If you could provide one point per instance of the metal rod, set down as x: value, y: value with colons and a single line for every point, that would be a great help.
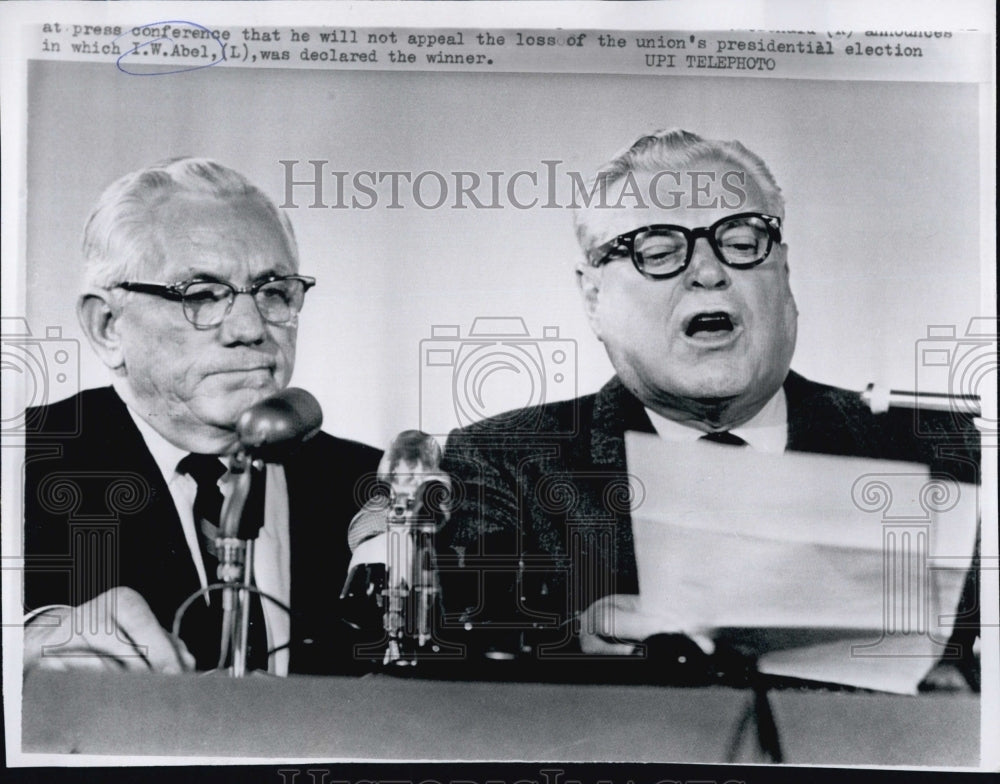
x: 881, y: 400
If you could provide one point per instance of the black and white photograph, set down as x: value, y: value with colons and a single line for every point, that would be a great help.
x: 615, y: 383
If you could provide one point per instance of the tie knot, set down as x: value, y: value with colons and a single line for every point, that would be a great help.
x: 724, y: 437
x: 206, y: 470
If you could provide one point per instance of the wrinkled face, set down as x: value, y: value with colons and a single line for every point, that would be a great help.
x: 197, y: 381
x: 710, y: 332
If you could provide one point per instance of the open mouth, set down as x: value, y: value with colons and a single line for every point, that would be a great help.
x: 713, y: 323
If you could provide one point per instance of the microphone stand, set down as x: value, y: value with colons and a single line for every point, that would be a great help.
x: 267, y: 431
x: 236, y: 564
x: 412, y: 589
x: 400, y: 589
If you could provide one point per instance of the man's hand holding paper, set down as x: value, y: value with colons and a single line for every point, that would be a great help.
x: 616, y: 625
x: 833, y: 569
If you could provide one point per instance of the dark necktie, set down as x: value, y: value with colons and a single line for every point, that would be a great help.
x: 724, y: 437
x: 206, y: 470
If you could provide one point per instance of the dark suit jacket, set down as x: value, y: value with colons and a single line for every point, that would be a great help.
x: 98, y: 514
x: 542, y: 517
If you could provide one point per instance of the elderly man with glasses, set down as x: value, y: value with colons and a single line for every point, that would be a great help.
x: 191, y: 299
x: 685, y: 279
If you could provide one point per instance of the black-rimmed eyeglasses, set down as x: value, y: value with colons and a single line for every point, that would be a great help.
x: 663, y: 250
x: 206, y: 303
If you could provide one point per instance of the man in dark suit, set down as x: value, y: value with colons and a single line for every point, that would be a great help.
x: 118, y: 509
x: 686, y: 282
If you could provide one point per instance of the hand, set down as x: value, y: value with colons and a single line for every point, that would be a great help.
x: 945, y: 676
x: 115, y: 630
x: 614, y: 625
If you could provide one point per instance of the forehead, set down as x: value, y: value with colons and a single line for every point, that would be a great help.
x: 697, y: 194
x: 196, y: 233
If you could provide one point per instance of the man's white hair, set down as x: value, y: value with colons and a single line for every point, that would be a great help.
x: 671, y: 150
x: 118, y: 239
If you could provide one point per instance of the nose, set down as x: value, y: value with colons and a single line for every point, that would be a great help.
x: 243, y: 324
x: 705, y: 270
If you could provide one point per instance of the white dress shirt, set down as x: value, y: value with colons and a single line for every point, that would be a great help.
x: 766, y: 431
x: 271, y: 559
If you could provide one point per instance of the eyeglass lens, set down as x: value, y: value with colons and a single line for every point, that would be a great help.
x: 740, y: 242
x: 206, y: 303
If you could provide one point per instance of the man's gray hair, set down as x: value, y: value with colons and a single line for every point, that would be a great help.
x: 118, y: 237
x: 671, y: 150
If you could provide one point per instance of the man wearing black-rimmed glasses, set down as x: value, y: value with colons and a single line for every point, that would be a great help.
x: 191, y: 299
x: 685, y: 279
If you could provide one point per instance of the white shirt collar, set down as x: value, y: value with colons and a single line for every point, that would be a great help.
x: 766, y: 431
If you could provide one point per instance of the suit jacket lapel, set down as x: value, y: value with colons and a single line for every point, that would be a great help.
x: 152, y: 551
x: 823, y: 419
x: 616, y: 410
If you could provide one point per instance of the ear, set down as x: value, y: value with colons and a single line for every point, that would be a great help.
x: 588, y: 279
x: 100, y: 316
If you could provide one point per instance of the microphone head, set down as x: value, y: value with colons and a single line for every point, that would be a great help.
x: 271, y: 429
x: 432, y: 502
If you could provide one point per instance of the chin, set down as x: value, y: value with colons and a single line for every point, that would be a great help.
x: 723, y: 383
x: 713, y: 392
x: 224, y: 410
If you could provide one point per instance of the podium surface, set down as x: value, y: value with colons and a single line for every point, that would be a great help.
x: 382, y: 717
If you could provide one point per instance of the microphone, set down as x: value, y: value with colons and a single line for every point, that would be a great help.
x: 274, y: 427
x: 391, y: 542
x: 880, y: 399
x: 430, y: 505
x: 268, y: 431
x: 409, y: 478
x: 371, y: 520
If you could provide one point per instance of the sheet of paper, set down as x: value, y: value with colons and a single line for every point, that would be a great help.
x: 835, y: 569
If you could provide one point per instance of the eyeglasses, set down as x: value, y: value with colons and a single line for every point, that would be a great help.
x: 662, y: 250
x: 207, y: 302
